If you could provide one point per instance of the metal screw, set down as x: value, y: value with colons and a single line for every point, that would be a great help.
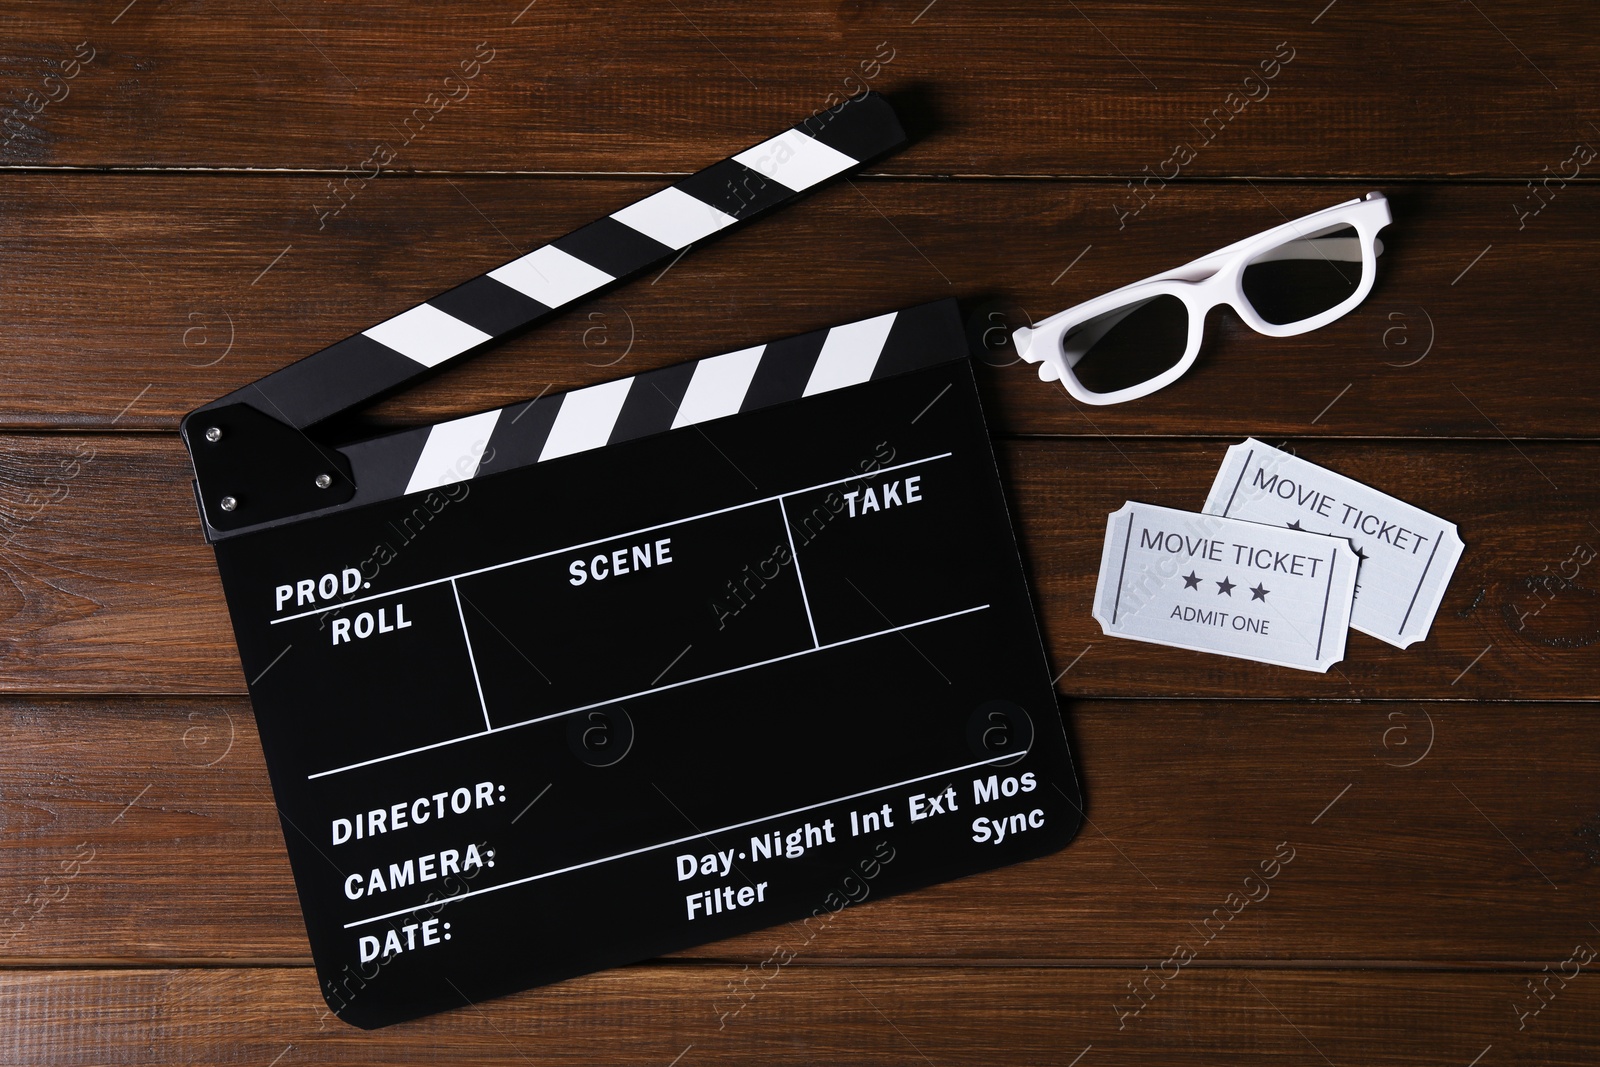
x: 228, y: 503
x: 324, y: 480
x: 213, y: 434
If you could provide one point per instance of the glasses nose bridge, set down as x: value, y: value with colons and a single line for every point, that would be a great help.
x: 1199, y: 271
x: 1199, y: 285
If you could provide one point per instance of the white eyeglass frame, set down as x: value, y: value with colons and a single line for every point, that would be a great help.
x: 1202, y: 284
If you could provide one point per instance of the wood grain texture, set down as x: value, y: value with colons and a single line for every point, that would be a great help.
x: 140, y: 298
x: 809, y: 1015
x: 184, y: 211
x: 1006, y: 88
x: 110, y: 588
x: 1436, y: 833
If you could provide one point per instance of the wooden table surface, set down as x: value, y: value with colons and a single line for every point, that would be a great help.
x: 182, y: 211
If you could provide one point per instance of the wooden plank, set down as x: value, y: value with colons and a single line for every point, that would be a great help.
x: 1007, y: 88
x: 1444, y: 846
x: 807, y: 1015
x: 139, y: 830
x: 111, y: 589
x: 144, y: 297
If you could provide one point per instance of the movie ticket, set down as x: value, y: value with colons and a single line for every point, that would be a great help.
x: 1220, y: 585
x: 1407, y: 555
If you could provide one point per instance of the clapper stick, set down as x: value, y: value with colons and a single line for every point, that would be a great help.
x: 669, y: 398
x: 253, y: 462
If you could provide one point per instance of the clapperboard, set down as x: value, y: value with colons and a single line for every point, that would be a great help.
x: 648, y: 664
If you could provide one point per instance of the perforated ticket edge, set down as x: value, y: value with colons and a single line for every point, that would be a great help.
x: 1341, y: 591
x: 1233, y: 464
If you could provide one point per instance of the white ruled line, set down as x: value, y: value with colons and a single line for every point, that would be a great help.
x: 678, y: 841
x: 644, y: 692
x: 472, y: 659
x: 801, y: 578
x: 612, y: 537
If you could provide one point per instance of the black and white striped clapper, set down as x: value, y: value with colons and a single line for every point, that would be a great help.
x: 646, y: 664
x: 231, y: 438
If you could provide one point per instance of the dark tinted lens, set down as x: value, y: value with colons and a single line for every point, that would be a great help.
x: 1130, y: 345
x: 1304, y: 277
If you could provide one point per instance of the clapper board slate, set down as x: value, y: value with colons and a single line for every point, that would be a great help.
x: 644, y: 665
